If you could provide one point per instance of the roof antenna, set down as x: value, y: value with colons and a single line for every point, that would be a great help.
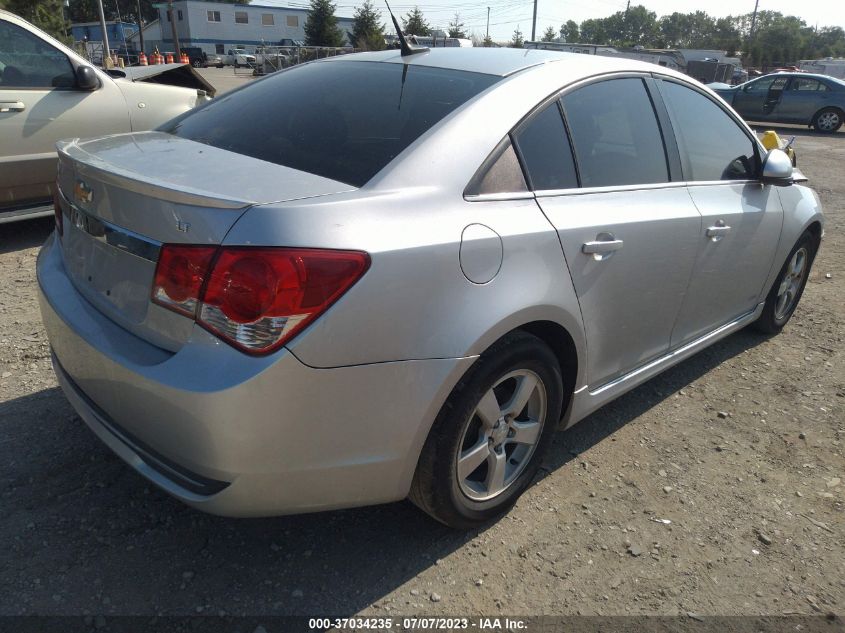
x: 407, y: 49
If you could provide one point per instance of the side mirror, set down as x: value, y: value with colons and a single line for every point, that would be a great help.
x: 86, y: 78
x: 777, y: 168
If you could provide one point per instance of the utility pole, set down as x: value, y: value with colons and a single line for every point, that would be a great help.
x: 534, y: 24
x: 172, y: 19
x: 753, y: 19
x: 140, y: 27
x: 487, y: 36
x: 106, y: 49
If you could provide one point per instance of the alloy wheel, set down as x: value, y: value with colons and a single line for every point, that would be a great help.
x: 501, y: 435
x: 790, y: 286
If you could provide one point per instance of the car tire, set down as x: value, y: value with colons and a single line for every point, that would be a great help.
x: 786, y: 292
x: 828, y: 120
x: 220, y: 65
x: 196, y: 63
x: 496, y: 468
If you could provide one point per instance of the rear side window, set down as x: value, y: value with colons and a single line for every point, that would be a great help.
x: 712, y: 145
x: 544, y: 148
x: 615, y: 134
x: 338, y: 119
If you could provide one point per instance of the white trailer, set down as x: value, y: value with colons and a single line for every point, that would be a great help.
x: 827, y: 66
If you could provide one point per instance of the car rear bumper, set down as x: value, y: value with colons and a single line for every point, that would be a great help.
x: 235, y: 435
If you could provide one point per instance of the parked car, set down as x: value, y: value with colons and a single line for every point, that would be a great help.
x: 48, y: 92
x: 330, y: 310
x: 814, y: 100
x: 273, y: 58
x: 213, y: 59
x: 196, y: 56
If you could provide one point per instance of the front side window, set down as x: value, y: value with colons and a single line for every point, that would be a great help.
x: 712, y: 145
x: 615, y: 134
x: 766, y: 84
x: 544, y: 148
x: 241, y: 17
x: 337, y: 119
x: 27, y: 61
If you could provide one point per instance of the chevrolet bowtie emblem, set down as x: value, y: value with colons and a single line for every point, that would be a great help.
x: 82, y: 192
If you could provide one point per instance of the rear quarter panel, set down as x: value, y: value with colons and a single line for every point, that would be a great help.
x: 415, y: 301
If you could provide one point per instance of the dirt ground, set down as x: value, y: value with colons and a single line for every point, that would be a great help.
x: 740, y: 448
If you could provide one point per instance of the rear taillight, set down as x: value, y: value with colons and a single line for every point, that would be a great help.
x: 57, y: 212
x: 179, y: 276
x: 255, y: 299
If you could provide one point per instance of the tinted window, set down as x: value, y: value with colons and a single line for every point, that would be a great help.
x: 27, y: 61
x: 712, y: 145
x: 338, y: 119
x: 615, y: 134
x: 545, y: 151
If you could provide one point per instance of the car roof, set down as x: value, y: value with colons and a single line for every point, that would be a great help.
x: 501, y: 61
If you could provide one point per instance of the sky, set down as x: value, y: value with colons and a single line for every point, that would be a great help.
x: 507, y: 15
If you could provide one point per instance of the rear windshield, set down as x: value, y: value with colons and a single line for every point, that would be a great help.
x: 342, y: 120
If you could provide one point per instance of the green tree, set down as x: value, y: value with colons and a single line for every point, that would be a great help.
x: 726, y: 36
x: 321, y: 25
x: 569, y: 31
x: 456, y: 27
x: 47, y: 15
x: 517, y: 40
x: 415, y: 24
x: 549, y: 35
x: 488, y: 41
x: 367, y: 28
x: 594, y: 31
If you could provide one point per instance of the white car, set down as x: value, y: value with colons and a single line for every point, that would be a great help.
x: 48, y: 93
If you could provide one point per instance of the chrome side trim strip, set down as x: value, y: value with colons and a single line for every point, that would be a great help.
x: 111, y: 234
x: 584, y: 401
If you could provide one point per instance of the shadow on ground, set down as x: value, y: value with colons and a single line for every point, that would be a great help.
x: 84, y: 532
x: 17, y: 236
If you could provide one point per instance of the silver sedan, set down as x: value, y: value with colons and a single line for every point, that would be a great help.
x: 393, y: 276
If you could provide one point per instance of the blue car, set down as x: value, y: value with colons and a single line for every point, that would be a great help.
x: 814, y: 100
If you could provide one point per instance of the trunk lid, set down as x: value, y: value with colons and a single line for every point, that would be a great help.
x: 124, y: 196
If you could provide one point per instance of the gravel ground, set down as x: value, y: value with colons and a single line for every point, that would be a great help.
x: 740, y: 448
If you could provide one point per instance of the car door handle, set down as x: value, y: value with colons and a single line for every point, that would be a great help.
x: 12, y: 106
x: 601, y: 246
x: 717, y: 231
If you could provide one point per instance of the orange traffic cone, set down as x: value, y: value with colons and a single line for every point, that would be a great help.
x: 168, y: 58
x: 184, y: 58
x: 142, y: 59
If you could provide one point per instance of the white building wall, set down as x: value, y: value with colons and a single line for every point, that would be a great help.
x: 195, y: 29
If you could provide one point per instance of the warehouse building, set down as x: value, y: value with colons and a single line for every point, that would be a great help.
x: 217, y: 27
